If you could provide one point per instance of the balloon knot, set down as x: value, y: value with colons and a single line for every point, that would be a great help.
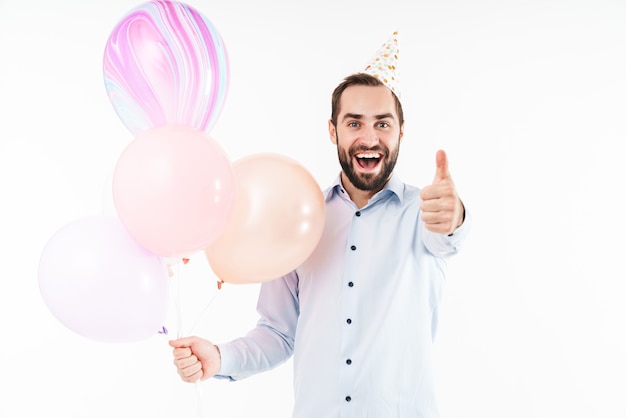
x: 185, y: 260
x: 163, y: 331
x: 219, y: 284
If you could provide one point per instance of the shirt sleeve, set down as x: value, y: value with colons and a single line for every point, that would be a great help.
x: 442, y: 245
x: 271, y: 342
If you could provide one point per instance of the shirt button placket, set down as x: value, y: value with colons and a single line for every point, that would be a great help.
x: 348, y: 361
x: 349, y: 322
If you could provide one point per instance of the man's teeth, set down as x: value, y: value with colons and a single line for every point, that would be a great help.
x: 368, y: 155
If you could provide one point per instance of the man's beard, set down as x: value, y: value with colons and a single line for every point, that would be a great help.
x: 368, y: 181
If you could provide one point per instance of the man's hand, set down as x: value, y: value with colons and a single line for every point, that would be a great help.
x: 442, y: 210
x: 195, y: 358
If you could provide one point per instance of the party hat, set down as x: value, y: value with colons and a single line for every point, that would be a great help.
x: 384, y: 64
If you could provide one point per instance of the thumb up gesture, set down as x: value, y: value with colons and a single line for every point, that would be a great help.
x: 442, y: 210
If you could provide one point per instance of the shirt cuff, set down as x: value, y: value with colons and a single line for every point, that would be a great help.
x: 462, y: 231
x: 228, y: 362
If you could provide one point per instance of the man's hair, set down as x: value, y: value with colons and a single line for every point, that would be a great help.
x: 360, y: 79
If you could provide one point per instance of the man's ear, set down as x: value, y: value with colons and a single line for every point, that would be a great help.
x: 402, y: 131
x: 332, y: 132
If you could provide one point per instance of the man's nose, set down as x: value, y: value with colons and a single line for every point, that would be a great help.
x: 370, y: 137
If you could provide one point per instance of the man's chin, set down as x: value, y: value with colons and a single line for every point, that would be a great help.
x: 367, y: 178
x: 368, y: 182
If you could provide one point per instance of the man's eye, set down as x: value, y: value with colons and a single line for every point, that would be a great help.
x: 383, y: 124
x: 353, y: 124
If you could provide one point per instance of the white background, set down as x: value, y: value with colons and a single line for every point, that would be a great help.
x: 527, y: 97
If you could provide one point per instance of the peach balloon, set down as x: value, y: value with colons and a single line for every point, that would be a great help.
x: 276, y: 223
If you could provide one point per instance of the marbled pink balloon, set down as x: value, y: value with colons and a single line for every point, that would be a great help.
x: 166, y: 64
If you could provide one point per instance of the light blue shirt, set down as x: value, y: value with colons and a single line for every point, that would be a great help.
x: 359, y: 315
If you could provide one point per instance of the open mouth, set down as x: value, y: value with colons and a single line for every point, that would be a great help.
x: 368, y: 160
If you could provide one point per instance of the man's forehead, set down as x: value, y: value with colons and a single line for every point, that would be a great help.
x: 362, y: 103
x: 367, y: 96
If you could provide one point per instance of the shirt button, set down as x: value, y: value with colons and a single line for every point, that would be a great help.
x: 348, y: 361
x: 349, y: 321
x: 353, y: 247
x: 358, y: 213
x: 350, y: 284
x: 348, y: 398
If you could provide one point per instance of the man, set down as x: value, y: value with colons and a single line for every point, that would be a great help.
x: 360, y: 313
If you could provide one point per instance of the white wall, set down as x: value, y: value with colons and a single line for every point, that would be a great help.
x: 527, y: 97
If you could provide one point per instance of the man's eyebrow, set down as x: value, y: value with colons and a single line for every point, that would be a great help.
x: 352, y: 116
x: 359, y: 116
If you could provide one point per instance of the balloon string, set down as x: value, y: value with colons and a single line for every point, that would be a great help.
x: 200, y: 397
x: 179, y: 314
x: 179, y: 331
x: 179, y: 328
x: 204, y: 311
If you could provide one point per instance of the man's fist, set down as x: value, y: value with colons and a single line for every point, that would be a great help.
x: 195, y: 358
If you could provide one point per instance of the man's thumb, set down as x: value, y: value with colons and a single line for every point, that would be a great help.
x: 442, y: 172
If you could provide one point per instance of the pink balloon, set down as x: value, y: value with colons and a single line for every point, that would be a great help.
x: 166, y: 63
x: 174, y: 190
x: 100, y: 283
x: 276, y: 224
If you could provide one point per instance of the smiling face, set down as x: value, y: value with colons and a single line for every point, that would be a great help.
x: 367, y: 134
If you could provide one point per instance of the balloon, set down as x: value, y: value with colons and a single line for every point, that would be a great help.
x: 100, y: 283
x: 276, y: 223
x: 166, y: 63
x: 174, y: 190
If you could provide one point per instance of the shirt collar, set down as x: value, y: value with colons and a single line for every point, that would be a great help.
x: 393, y: 187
